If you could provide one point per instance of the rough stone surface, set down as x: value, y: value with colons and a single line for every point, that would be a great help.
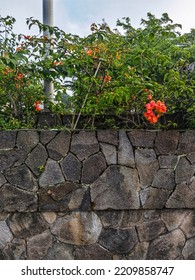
x: 46, y: 136
x: 84, y: 144
x: 38, y: 245
x: 191, y: 158
x: 183, y: 196
x: 186, y: 143
x: 129, y: 234
x: 93, y: 168
x: 169, y: 161
x: 5, y: 234
x: 78, y: 228
x: 150, y: 230
x: 25, y: 225
x: 123, y: 240
x: 64, y: 197
x: 188, y: 250
x: 37, y: 159
x: 109, y: 152
x: 184, y: 171
x: 117, y: 188
x: 188, y: 225
x: 21, y: 177
x: 59, y: 146
x: 2, y: 180
x: 120, y: 195
x: 92, y: 252
x: 56, y: 198
x: 173, y: 219
x: 167, y: 246
x: 131, y: 218
x: 153, y: 198
x: 111, y: 218
x: 71, y: 168
x: 147, y: 165
x: 125, y: 151
x: 139, y: 252
x: 27, y: 140
x: 52, y: 174
x: 7, y: 139
x: 14, y: 199
x: 2, y: 256
x: 108, y: 136
x: 164, y: 179
x: 16, y: 250
x: 143, y: 139
x: 11, y: 158
x: 59, y: 251
x: 80, y: 199
x: 49, y: 217
x: 166, y: 142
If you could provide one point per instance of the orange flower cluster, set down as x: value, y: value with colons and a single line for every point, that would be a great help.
x: 154, y: 110
x: 106, y: 78
x: 93, y: 52
x: 7, y: 71
x: 38, y: 106
x: 19, y: 76
x: 89, y: 52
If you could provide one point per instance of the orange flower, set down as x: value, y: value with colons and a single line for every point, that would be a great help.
x: 151, y: 105
x: 56, y: 63
x: 7, y: 71
x: 18, y: 49
x: 151, y: 117
x: 149, y: 97
x: 38, y: 106
x: 89, y: 52
x: 160, y: 107
x: 154, y: 110
x: 20, y: 76
x: 106, y: 78
x: 96, y: 50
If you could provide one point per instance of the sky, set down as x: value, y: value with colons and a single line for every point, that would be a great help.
x: 76, y: 16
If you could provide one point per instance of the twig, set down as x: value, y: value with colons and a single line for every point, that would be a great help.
x: 86, y: 96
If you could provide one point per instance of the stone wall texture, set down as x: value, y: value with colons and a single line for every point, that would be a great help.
x: 97, y: 194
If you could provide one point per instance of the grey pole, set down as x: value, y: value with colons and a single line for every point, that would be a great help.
x: 48, y: 20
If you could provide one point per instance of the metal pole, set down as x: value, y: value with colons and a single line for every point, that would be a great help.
x: 48, y: 20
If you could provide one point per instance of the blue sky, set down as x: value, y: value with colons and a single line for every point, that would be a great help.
x: 76, y: 16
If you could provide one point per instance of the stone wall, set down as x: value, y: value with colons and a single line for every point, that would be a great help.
x: 97, y: 194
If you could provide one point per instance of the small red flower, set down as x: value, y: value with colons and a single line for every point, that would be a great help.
x: 7, y: 71
x: 106, y: 78
x: 149, y: 97
x: 154, y: 110
x: 20, y: 76
x: 38, y: 106
x: 89, y: 52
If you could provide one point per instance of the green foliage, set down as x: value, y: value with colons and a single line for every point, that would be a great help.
x: 108, y: 72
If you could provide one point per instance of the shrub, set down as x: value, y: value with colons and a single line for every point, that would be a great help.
x: 108, y: 72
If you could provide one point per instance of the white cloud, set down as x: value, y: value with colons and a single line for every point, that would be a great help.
x: 76, y: 16
x: 20, y: 10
